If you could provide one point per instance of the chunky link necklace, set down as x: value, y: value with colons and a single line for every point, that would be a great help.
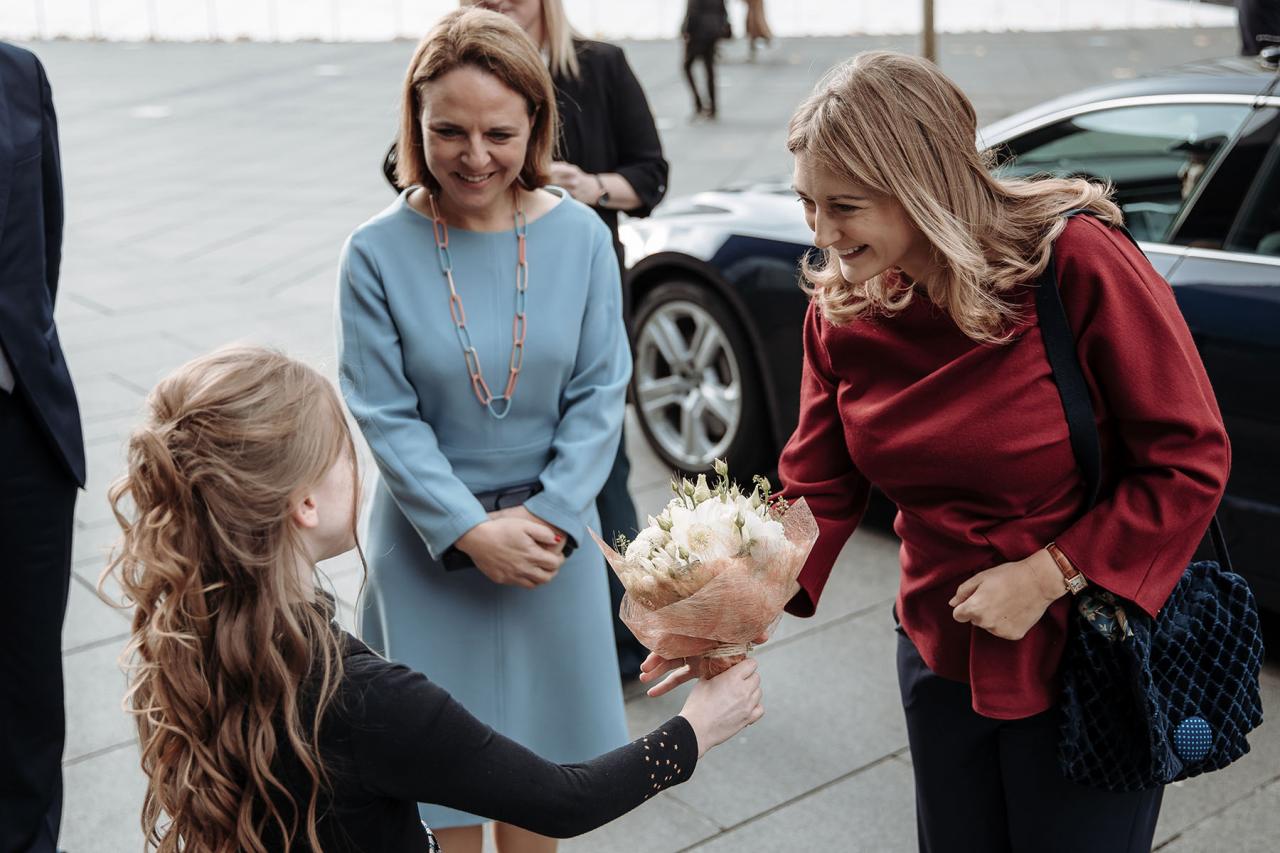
x: 498, y: 406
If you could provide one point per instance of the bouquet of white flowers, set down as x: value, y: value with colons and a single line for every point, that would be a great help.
x: 713, y: 570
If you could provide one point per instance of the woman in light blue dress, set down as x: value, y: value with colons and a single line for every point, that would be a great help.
x: 521, y: 635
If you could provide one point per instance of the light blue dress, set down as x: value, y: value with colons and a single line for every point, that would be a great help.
x: 538, y: 665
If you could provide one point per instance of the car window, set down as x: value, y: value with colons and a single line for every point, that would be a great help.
x: 1153, y: 154
x: 1238, y: 209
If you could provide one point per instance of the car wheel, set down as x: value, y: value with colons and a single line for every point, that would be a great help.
x: 695, y: 385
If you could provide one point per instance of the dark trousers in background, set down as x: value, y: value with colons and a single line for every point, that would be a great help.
x: 993, y: 786
x: 37, y: 503
x: 1256, y: 18
x: 699, y: 49
x: 618, y: 515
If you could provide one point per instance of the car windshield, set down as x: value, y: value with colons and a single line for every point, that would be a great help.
x: 1153, y: 154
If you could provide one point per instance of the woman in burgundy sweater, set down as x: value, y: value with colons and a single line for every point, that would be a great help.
x: 925, y: 374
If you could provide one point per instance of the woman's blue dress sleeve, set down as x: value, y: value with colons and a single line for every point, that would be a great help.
x: 385, y: 405
x: 593, y: 402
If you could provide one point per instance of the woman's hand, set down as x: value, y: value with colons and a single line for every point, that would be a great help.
x: 677, y: 671
x: 1010, y: 598
x: 720, y: 707
x: 521, y: 512
x: 513, y: 551
x: 580, y: 185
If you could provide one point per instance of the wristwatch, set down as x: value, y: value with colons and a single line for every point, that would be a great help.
x: 1070, y: 574
x: 604, y: 192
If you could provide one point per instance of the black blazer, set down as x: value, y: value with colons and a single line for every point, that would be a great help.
x: 31, y: 251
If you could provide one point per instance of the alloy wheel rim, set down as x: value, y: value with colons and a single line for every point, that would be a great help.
x: 688, y: 383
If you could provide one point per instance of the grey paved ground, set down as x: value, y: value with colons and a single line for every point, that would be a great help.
x: 209, y: 189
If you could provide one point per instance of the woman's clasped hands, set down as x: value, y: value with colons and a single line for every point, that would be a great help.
x: 515, y: 547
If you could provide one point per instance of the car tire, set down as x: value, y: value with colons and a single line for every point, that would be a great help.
x: 696, y: 385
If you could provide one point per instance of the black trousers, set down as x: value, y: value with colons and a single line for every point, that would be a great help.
x: 993, y: 786
x: 701, y: 49
x: 37, y: 502
x: 618, y: 515
x: 1257, y: 17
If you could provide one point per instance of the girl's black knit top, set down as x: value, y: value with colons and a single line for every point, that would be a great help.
x: 392, y: 739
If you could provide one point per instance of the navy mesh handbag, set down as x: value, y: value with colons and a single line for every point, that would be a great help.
x: 1148, y: 701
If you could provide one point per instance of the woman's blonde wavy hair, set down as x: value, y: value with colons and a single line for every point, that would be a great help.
x: 558, y: 35
x: 899, y: 127
x: 224, y: 633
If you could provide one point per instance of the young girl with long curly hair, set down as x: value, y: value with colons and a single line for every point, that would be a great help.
x: 265, y: 727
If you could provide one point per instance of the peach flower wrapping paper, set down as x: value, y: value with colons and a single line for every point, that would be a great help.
x: 712, y: 572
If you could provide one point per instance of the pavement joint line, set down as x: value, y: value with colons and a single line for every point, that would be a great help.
x: 96, y: 644
x: 98, y: 753
x: 87, y: 302
x: 132, y: 386
x: 284, y: 261
x: 884, y: 759
x: 84, y: 583
x: 229, y: 240
x: 1252, y: 792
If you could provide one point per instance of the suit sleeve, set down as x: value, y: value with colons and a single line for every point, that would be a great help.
x: 815, y: 465
x: 385, y: 405
x: 414, y: 742
x: 1138, y: 354
x: 593, y: 402
x: 51, y: 183
x: 640, y: 158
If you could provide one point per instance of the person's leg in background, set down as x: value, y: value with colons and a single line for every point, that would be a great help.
x: 689, y: 56
x: 1255, y: 18
x: 709, y: 61
x: 460, y: 839
x: 37, y: 504
x: 618, y: 516
x: 512, y: 839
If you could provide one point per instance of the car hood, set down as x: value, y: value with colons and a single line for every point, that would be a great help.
x: 700, y: 224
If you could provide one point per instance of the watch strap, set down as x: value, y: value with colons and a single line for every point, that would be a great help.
x: 1071, y: 576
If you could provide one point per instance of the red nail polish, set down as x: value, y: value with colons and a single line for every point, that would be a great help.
x: 558, y: 537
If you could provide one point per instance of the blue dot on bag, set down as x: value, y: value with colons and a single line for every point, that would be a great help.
x: 1192, y: 739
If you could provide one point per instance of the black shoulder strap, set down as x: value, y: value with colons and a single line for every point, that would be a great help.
x: 1060, y: 345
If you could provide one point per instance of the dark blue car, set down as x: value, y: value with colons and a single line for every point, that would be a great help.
x: 1194, y: 155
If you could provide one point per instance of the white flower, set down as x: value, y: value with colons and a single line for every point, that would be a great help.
x: 709, y: 531
x: 645, y: 542
x: 763, y: 536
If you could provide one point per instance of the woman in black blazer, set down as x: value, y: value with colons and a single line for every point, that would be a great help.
x: 609, y: 158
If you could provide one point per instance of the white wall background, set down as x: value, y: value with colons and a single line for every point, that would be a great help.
x: 379, y: 20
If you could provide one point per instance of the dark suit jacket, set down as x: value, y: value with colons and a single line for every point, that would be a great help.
x: 31, y: 251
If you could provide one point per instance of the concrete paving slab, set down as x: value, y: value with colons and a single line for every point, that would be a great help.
x: 91, y: 621
x: 95, y: 685
x: 662, y: 825
x: 103, y: 803
x: 1251, y: 825
x: 870, y: 811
